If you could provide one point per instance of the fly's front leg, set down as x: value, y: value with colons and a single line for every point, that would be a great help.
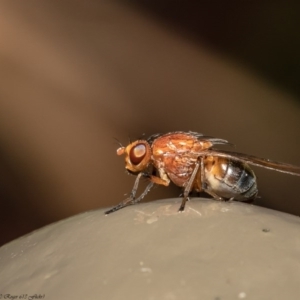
x: 131, y: 198
x: 188, y: 187
x: 144, y: 193
x: 215, y: 196
x: 153, y: 180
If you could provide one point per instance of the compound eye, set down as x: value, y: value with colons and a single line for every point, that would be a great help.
x: 137, y: 153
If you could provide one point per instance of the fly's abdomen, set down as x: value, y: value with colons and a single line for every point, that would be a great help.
x: 229, y: 178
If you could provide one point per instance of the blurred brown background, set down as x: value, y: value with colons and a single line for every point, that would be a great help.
x: 76, y: 74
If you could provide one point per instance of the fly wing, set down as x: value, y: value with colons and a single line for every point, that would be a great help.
x: 197, y: 135
x: 153, y: 137
x: 256, y: 161
x: 213, y: 140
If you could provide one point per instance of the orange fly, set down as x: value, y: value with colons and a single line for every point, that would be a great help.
x: 190, y: 161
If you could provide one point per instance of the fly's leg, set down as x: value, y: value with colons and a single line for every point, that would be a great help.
x: 188, y: 187
x: 131, y: 198
x: 144, y: 193
x: 161, y: 180
x: 130, y: 201
x: 153, y: 180
x: 215, y: 196
x: 202, y: 173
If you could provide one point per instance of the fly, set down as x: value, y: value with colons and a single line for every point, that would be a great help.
x: 190, y: 161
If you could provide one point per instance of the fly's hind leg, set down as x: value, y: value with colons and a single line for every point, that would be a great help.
x: 215, y: 196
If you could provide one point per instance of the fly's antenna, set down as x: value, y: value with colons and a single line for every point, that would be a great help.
x: 118, y: 142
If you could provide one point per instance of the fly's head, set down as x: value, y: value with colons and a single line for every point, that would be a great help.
x: 137, y: 156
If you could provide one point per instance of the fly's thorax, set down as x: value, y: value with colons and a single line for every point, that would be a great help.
x: 177, y: 153
x: 137, y: 155
x: 178, y: 144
